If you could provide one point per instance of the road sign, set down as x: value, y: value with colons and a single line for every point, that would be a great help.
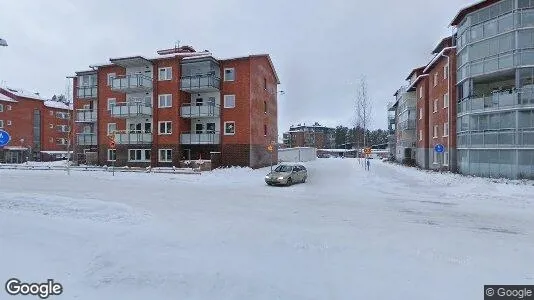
x: 4, y: 138
x: 367, y: 151
x: 270, y: 148
x: 439, y: 148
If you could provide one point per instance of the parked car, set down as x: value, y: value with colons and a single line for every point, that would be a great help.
x: 287, y: 174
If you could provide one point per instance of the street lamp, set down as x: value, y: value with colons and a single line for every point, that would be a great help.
x: 3, y: 42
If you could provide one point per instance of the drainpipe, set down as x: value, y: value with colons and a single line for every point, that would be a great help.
x: 448, y: 107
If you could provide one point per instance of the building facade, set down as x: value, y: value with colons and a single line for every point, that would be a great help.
x: 316, y: 136
x: 418, y: 84
x: 405, y: 126
x: 39, y: 128
x: 495, y: 88
x: 180, y: 105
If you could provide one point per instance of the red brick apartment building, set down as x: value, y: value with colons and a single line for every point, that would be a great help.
x: 39, y: 128
x: 435, y: 86
x: 317, y: 136
x: 180, y: 105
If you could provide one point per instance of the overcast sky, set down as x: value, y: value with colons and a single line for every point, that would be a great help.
x: 319, y: 48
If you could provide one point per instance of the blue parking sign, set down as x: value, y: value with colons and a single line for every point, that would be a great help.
x: 4, y: 138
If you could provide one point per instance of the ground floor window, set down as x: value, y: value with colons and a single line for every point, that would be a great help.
x: 446, y: 158
x: 435, y: 158
x: 165, y: 155
x: 112, y: 154
x: 137, y: 155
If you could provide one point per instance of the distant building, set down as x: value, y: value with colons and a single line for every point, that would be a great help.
x: 316, y: 135
x: 405, y: 139
x: 39, y: 128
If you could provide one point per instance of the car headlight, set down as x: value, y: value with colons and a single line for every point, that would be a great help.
x: 267, y: 177
x: 280, y: 178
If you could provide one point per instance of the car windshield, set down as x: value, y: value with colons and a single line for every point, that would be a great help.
x: 283, y: 169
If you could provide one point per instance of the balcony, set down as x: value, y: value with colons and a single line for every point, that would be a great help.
x: 200, y: 83
x: 133, y: 83
x: 85, y: 116
x: 200, y: 111
x: 131, y: 110
x: 204, y: 138
x: 87, y: 92
x: 86, y: 139
x: 132, y: 137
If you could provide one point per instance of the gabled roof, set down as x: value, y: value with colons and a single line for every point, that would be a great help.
x: 21, y: 93
x: 416, y: 71
x: 469, y: 9
x: 438, y: 57
x: 445, y: 42
x: 414, y: 83
x: 6, y: 98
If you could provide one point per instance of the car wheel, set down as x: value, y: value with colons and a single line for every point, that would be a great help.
x: 289, y: 181
x: 269, y: 184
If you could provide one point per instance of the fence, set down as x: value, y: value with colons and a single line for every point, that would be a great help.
x: 299, y: 154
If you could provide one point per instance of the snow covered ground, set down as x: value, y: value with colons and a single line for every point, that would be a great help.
x: 391, y: 233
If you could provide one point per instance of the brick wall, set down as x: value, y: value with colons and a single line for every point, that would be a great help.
x: 235, y: 155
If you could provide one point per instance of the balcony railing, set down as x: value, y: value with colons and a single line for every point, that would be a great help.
x: 87, y: 91
x: 407, y: 125
x: 85, y: 115
x: 124, y: 137
x: 200, y: 83
x: 86, y: 139
x: 131, y: 109
x: 192, y: 111
x: 204, y: 138
x: 497, y: 139
x: 131, y: 83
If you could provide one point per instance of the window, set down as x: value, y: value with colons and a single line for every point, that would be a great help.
x: 445, y: 71
x: 1, y: 123
x: 112, y: 154
x: 8, y: 123
x: 229, y: 101
x: 435, y: 131
x: 435, y: 157
x: 446, y: 100
x: 51, y: 126
x: 436, y: 79
x: 265, y: 83
x: 420, y: 135
x: 229, y: 74
x: 51, y: 113
x: 1, y: 107
x: 436, y: 105
x: 420, y: 113
x: 112, y: 127
x: 139, y: 155
x: 265, y: 107
x: 63, y: 128
x: 420, y: 92
x: 165, y: 155
x: 446, y: 129
x: 110, y: 78
x: 165, y: 127
x: 61, y: 141
x: 210, y: 128
x: 51, y: 140
x: 446, y: 158
x: 165, y: 101
x: 165, y: 74
x: 229, y: 128
x: 8, y: 107
x: 111, y: 103
x: 264, y: 130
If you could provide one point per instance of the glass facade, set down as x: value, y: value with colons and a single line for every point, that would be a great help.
x: 495, y: 88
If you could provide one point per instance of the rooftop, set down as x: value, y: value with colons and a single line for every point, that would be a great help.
x: 445, y: 42
x: 469, y: 9
x: 6, y: 98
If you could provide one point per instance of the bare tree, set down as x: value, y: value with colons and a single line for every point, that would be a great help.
x: 363, y: 108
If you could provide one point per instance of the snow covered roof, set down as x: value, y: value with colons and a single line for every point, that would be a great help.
x: 411, y: 86
x: 23, y: 93
x: 6, y: 98
x: 57, y: 104
x: 437, y: 57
